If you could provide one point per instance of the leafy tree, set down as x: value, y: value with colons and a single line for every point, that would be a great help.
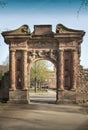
x: 39, y: 73
x: 84, y: 3
x: 2, y: 3
x: 5, y: 67
x: 1, y: 75
x: 6, y: 62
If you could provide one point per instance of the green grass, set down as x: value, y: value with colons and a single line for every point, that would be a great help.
x: 1, y: 104
x: 31, y: 90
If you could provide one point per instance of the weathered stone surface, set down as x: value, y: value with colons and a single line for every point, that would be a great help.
x: 67, y: 97
x: 82, y: 90
x: 42, y: 29
x: 22, y: 30
x: 62, y: 29
x: 19, y: 96
x: 62, y: 48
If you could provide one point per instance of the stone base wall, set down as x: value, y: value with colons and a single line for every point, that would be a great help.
x: 19, y: 96
x: 67, y: 97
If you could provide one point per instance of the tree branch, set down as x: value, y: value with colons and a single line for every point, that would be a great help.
x: 3, y: 4
x: 84, y: 3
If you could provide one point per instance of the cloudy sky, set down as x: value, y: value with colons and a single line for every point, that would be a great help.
x: 33, y: 12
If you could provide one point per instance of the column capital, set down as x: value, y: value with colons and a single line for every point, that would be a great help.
x: 12, y: 50
x: 61, y: 50
x: 25, y: 51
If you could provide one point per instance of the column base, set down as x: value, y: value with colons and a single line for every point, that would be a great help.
x: 57, y: 101
x: 25, y: 89
x: 61, y: 89
x: 12, y: 89
x: 73, y: 89
x: 19, y: 96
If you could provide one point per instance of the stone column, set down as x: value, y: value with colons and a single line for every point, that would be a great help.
x: 28, y: 73
x: 61, y: 70
x: 12, y: 70
x: 74, y: 69
x: 25, y: 82
x: 60, y: 76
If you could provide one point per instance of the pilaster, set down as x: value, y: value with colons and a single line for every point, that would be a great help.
x: 12, y: 70
x: 25, y: 86
x: 74, y: 69
x: 61, y: 69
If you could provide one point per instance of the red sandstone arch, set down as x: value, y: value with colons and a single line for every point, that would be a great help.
x: 61, y: 47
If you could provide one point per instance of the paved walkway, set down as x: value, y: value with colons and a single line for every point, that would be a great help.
x: 45, y: 97
x: 37, y: 116
x: 43, y: 114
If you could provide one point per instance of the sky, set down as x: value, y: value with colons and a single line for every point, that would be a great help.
x: 16, y: 13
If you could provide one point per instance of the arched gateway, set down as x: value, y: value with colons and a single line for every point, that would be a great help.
x: 62, y: 48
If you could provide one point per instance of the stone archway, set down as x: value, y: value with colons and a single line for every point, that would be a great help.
x: 42, y: 88
x: 61, y: 47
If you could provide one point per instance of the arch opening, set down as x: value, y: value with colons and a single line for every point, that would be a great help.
x: 42, y: 81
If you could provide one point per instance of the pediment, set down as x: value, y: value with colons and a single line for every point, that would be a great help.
x: 61, y: 29
x: 22, y: 30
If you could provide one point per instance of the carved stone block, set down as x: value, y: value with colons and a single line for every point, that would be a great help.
x: 19, y: 96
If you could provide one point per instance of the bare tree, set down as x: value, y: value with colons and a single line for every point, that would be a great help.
x: 84, y: 4
x: 2, y: 3
x: 6, y: 62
